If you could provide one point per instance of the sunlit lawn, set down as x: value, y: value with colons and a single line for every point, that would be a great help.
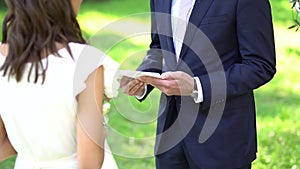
x: 278, y: 110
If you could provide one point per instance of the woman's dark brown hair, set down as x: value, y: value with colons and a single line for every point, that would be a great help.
x: 32, y: 29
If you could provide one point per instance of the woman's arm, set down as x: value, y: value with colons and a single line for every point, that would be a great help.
x: 6, y: 149
x: 90, y: 130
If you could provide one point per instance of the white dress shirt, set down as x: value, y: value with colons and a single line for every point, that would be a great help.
x: 181, y: 12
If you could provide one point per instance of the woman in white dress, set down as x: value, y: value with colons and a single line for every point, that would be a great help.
x: 50, y: 116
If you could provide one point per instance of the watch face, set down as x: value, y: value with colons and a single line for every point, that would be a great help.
x: 194, y: 94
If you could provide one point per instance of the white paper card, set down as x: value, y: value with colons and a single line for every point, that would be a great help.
x: 136, y: 74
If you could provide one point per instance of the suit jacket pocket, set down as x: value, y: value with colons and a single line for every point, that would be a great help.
x: 214, y: 19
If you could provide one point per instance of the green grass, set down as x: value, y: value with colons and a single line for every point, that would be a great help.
x: 278, y: 110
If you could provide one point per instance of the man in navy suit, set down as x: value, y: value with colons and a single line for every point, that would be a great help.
x: 209, y: 68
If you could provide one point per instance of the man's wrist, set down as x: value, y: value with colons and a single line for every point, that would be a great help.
x: 198, y: 89
x: 194, y: 93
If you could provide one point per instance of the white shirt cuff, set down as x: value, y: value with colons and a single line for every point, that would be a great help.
x: 143, y: 95
x: 199, y: 99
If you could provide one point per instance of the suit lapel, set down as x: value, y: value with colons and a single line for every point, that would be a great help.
x: 165, y: 22
x: 197, y: 15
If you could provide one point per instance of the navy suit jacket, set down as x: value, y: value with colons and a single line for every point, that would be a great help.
x: 241, y: 60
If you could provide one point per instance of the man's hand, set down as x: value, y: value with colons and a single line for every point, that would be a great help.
x: 132, y: 87
x: 172, y: 83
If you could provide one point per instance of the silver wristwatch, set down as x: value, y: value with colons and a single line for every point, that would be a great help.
x: 194, y: 93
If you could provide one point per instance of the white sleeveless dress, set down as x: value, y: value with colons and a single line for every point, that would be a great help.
x: 40, y: 119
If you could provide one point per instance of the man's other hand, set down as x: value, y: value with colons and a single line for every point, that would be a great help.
x: 132, y: 87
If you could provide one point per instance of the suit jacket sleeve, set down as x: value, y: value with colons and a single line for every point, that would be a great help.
x: 255, y: 41
x: 153, y: 60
